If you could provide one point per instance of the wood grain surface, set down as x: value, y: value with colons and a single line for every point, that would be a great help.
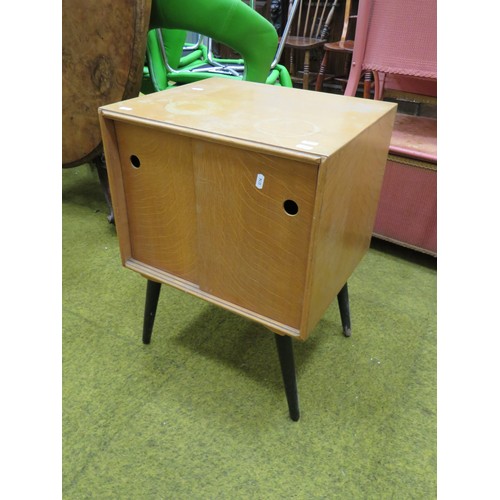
x: 252, y: 252
x: 103, y: 49
x: 260, y: 221
x: 161, y: 203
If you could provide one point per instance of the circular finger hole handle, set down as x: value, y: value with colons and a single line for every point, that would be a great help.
x: 291, y: 207
x: 134, y: 161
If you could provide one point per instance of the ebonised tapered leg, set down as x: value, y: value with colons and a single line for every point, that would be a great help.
x: 345, y: 315
x: 285, y: 353
x: 152, y: 295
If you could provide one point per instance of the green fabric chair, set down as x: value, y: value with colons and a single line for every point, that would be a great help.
x: 167, y: 66
x: 231, y: 22
x: 181, y: 55
x: 199, y: 68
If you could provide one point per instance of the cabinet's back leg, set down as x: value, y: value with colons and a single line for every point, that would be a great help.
x: 345, y: 315
x: 285, y: 353
x: 152, y: 295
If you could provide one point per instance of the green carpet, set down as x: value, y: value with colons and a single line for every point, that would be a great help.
x: 200, y: 413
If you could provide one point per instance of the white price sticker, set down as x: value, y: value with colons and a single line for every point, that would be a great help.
x: 260, y: 181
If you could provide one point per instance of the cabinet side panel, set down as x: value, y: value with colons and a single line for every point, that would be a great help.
x: 352, y: 182
x: 252, y: 252
x: 157, y: 172
x: 113, y: 168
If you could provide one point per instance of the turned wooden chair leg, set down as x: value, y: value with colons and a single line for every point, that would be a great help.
x: 285, y: 353
x: 345, y: 315
x: 321, y: 75
x: 305, y: 81
x: 292, y: 63
x: 152, y: 295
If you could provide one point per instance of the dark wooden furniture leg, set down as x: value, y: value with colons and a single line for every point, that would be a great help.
x: 152, y: 295
x: 345, y: 315
x: 285, y: 353
x: 102, y: 172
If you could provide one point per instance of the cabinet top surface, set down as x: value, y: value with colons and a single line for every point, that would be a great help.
x: 305, y: 122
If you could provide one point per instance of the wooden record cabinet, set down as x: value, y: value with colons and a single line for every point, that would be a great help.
x: 257, y: 198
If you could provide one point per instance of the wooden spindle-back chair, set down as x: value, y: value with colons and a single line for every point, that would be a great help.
x: 310, y: 30
x: 343, y: 46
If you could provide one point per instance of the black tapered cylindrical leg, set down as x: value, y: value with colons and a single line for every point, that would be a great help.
x: 345, y: 315
x: 285, y: 353
x: 152, y: 295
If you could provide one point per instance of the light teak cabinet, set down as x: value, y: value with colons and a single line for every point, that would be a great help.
x: 257, y: 198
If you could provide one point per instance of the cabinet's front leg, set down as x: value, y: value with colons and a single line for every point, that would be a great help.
x: 345, y: 315
x: 285, y: 353
x: 152, y: 295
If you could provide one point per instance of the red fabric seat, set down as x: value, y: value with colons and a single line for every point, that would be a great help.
x: 415, y: 137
